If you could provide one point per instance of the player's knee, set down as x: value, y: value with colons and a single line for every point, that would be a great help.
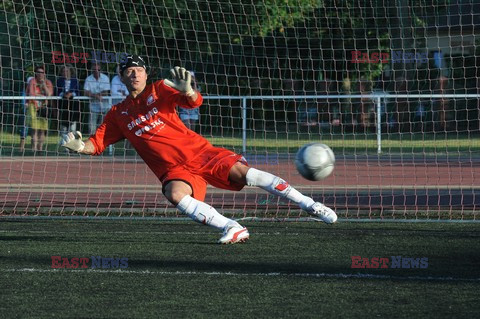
x: 238, y: 173
x: 174, y: 196
x: 175, y: 191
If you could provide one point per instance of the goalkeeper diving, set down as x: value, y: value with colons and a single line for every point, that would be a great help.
x: 184, y: 161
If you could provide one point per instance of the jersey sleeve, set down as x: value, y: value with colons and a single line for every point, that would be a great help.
x: 176, y: 98
x: 107, y: 133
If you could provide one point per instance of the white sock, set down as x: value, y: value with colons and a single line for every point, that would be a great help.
x: 277, y: 186
x: 203, y: 213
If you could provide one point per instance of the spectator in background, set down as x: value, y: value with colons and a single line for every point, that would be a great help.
x: 96, y: 86
x: 366, y: 110
x: 2, y: 85
x: 347, y: 117
x: 306, y: 110
x: 2, y: 91
x: 119, y: 90
x: 477, y: 88
x: 403, y: 105
x: 37, y: 110
x: 22, y: 119
x: 68, y: 108
x: 442, y: 105
x: 190, y: 117
x: 326, y: 110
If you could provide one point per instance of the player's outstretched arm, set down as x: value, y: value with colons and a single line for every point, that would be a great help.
x: 73, y: 141
x: 182, y: 82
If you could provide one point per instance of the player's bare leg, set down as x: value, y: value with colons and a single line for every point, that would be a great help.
x: 241, y: 173
x: 41, y: 139
x: 22, y: 144
x: 34, y: 139
x: 179, y: 194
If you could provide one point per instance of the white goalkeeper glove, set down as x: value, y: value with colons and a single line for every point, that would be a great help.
x: 182, y: 81
x: 73, y: 141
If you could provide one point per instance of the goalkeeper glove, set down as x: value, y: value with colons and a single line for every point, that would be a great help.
x: 73, y: 141
x: 182, y: 81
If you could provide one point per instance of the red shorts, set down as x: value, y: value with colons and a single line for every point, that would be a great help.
x: 212, y: 166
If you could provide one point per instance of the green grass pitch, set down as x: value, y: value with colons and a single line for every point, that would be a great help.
x: 298, y: 270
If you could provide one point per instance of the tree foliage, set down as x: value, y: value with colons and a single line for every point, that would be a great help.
x: 231, y: 40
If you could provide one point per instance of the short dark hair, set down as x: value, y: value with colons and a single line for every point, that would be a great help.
x: 95, y: 63
x: 67, y: 66
x: 39, y: 67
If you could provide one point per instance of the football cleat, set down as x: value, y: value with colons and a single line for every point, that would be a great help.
x: 323, y: 212
x: 234, y: 234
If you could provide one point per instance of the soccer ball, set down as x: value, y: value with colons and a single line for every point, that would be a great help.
x: 315, y: 161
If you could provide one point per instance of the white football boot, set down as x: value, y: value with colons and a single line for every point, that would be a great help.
x: 234, y: 233
x: 323, y: 212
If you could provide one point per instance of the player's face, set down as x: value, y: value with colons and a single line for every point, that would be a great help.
x: 135, y: 79
x: 66, y: 73
x: 96, y: 69
x: 40, y: 74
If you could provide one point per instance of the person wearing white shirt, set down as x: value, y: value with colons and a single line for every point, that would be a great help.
x: 119, y: 90
x: 97, y: 85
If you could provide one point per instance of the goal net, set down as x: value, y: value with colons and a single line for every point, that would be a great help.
x: 391, y: 87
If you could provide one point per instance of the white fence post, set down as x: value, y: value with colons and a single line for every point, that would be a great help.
x: 379, y: 124
x: 244, y: 126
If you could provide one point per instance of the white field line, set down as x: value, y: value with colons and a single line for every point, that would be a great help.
x: 236, y: 274
x: 23, y: 232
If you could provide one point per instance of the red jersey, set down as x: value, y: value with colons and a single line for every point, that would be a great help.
x: 151, y: 124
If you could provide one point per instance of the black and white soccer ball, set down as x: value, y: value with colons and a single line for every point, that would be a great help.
x: 315, y: 161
